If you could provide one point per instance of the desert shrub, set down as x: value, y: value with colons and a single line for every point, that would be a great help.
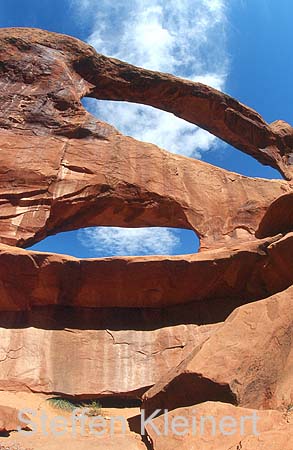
x: 95, y: 408
x: 64, y: 404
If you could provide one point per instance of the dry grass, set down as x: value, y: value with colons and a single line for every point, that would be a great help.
x: 64, y: 404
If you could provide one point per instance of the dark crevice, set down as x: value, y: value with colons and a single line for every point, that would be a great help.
x: 278, y: 218
x: 134, y: 424
x: 70, y: 318
x: 117, y: 402
x: 188, y: 389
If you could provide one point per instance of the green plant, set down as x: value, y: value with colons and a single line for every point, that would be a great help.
x: 94, y: 408
x: 63, y: 403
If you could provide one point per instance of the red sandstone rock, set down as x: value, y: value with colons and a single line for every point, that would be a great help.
x: 249, y: 429
x: 120, y: 181
x: 47, y: 192
x: 48, y: 354
x: 248, y: 271
x: 9, y: 420
x: 62, y: 169
x: 275, y: 439
x: 78, y: 70
x: 247, y: 361
x: 279, y: 217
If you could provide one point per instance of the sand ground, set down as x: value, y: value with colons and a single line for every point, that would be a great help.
x: 43, y: 438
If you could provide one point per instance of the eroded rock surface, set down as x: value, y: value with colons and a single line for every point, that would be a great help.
x: 247, y: 361
x: 118, y: 326
x: 251, y: 271
x: 211, y: 426
x: 9, y: 420
x: 90, y: 174
x: 76, y: 70
x: 87, y: 353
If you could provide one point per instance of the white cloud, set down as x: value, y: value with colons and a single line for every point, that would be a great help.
x: 186, y: 38
x: 110, y: 241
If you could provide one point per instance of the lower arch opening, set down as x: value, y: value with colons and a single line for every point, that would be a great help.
x: 95, y: 242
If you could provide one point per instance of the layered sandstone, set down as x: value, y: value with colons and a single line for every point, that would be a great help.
x: 214, y: 327
x: 44, y: 193
x: 247, y: 361
x: 77, y: 70
x: 86, y: 353
x: 90, y: 174
x: 244, y: 273
x: 220, y: 426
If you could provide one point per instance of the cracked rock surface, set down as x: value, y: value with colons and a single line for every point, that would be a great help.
x: 210, y: 332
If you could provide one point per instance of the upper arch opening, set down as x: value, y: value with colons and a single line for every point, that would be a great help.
x: 148, y: 124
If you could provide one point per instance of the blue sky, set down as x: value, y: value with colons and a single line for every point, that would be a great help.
x: 242, y: 47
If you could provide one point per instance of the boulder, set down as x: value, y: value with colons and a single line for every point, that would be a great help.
x: 220, y: 426
x: 9, y: 419
x: 248, y: 361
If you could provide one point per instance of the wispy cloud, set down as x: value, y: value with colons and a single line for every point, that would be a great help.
x: 110, y: 241
x: 186, y: 38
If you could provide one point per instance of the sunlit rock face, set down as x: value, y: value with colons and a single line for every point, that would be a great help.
x: 63, y: 169
x: 87, y: 353
x: 176, y: 331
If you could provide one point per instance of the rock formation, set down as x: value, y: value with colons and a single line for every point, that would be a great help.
x: 90, y: 174
x: 257, y: 376
x: 272, y: 427
x: 251, y: 271
x: 211, y: 331
x: 85, y: 353
x: 9, y: 420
